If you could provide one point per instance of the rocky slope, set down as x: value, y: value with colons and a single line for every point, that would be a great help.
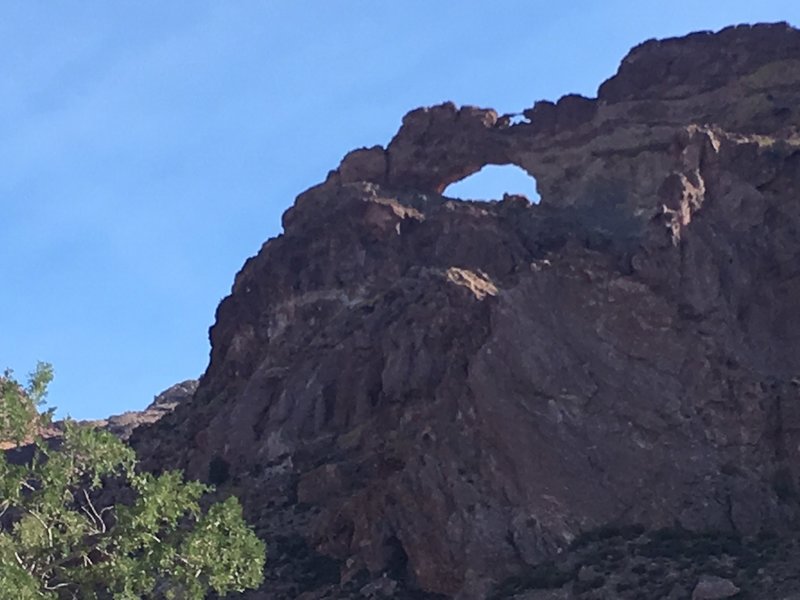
x: 448, y: 392
x: 123, y: 425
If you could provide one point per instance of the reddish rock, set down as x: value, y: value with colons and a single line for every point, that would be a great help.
x: 446, y: 391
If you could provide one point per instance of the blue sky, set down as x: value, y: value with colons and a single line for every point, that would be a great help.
x: 148, y: 148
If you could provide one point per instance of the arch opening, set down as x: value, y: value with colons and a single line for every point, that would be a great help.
x: 491, y: 182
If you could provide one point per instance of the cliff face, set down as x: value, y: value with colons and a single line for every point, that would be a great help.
x: 450, y: 389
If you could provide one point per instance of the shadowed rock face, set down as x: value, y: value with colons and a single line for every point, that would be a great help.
x: 448, y: 390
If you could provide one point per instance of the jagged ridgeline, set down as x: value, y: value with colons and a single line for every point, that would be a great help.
x: 417, y: 395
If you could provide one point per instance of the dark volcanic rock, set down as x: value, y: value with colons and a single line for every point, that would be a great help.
x: 448, y: 391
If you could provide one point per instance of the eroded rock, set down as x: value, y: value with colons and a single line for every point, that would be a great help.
x: 447, y: 391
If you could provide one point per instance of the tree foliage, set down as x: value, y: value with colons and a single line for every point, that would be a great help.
x: 78, y: 521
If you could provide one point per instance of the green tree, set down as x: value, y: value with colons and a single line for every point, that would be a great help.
x: 77, y: 521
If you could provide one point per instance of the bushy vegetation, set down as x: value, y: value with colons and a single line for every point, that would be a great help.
x: 78, y: 521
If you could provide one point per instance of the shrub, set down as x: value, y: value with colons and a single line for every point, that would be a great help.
x: 63, y: 536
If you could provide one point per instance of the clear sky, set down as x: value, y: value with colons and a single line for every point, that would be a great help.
x: 147, y: 148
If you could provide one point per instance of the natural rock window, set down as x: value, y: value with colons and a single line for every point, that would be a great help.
x: 491, y: 182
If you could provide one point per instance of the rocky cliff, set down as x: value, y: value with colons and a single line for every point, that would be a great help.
x: 446, y: 391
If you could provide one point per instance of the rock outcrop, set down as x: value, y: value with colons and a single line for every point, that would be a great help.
x: 122, y: 425
x: 447, y: 391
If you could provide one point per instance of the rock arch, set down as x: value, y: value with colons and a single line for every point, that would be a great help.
x: 492, y: 182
